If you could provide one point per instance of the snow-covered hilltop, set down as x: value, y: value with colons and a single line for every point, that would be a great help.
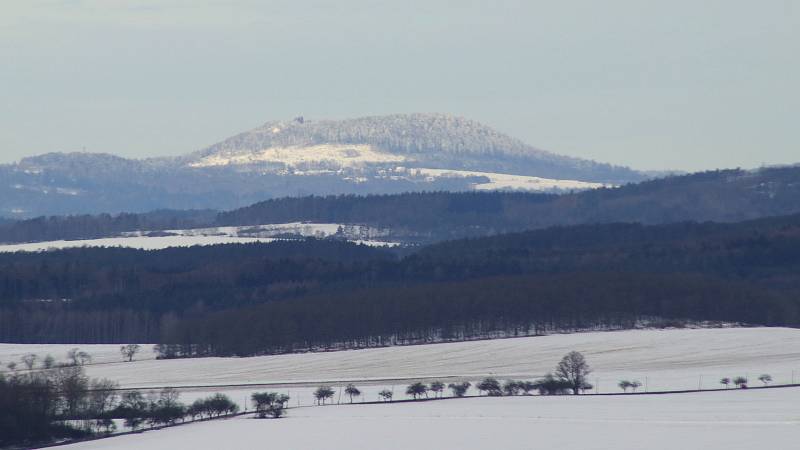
x: 398, y: 133
x: 379, y: 154
x: 435, y: 141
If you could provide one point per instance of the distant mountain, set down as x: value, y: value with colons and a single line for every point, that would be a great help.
x: 435, y: 141
x: 385, y: 154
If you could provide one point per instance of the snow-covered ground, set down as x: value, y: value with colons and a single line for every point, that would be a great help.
x: 212, y: 236
x: 660, y: 359
x: 503, y: 181
x: 331, y: 155
x: 140, y: 242
x: 735, y: 420
x: 664, y: 359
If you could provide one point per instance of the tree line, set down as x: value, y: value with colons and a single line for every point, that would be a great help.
x: 723, y: 196
x: 58, y: 401
x: 569, y: 377
x: 288, y: 296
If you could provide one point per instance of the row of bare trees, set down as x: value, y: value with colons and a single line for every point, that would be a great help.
x: 569, y: 377
x: 741, y: 382
x: 74, y: 357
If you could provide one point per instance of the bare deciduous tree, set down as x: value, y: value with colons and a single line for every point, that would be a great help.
x: 417, y: 390
x: 29, y: 360
x: 352, y: 391
x: 573, y: 369
x: 269, y: 404
x: 129, y: 351
x: 459, y: 389
x: 78, y: 357
x: 323, y: 393
x: 386, y: 395
x: 437, y: 387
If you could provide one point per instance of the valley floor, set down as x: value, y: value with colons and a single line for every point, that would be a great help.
x: 738, y: 419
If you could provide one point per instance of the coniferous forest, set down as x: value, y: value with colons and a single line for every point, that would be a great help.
x: 317, y: 294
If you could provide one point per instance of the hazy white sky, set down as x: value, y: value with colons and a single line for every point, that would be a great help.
x: 650, y: 84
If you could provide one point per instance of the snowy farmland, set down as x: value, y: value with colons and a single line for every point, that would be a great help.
x: 734, y: 420
x: 209, y: 236
x: 661, y: 359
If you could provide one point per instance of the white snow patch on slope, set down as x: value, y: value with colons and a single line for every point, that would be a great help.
x: 502, y: 181
x: 212, y: 236
x: 339, y: 155
x: 141, y: 242
x: 740, y: 420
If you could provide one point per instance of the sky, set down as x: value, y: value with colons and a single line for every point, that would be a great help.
x: 657, y: 85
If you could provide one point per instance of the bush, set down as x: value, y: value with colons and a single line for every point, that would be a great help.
x: 511, y: 387
x: 491, y: 386
x: 213, y: 406
x: 527, y: 387
x: 417, y: 390
x: 269, y: 404
x: 437, y: 387
x: 550, y: 385
x: 459, y: 389
x: 386, y: 395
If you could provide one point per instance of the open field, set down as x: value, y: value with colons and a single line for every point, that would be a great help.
x: 732, y: 420
x: 664, y: 359
x: 200, y: 237
x: 661, y: 359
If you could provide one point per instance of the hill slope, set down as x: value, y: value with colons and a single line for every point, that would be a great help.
x: 436, y: 141
x: 386, y: 154
x: 285, y: 296
x: 721, y: 196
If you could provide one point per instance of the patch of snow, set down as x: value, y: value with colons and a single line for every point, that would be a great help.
x: 214, y: 236
x: 67, y: 191
x: 340, y: 155
x: 502, y: 181
x: 142, y: 242
x: 740, y: 420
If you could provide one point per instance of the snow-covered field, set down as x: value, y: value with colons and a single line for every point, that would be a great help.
x: 210, y: 236
x: 331, y: 155
x: 140, y: 242
x: 735, y: 420
x: 660, y: 359
x: 664, y: 359
x: 503, y: 181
